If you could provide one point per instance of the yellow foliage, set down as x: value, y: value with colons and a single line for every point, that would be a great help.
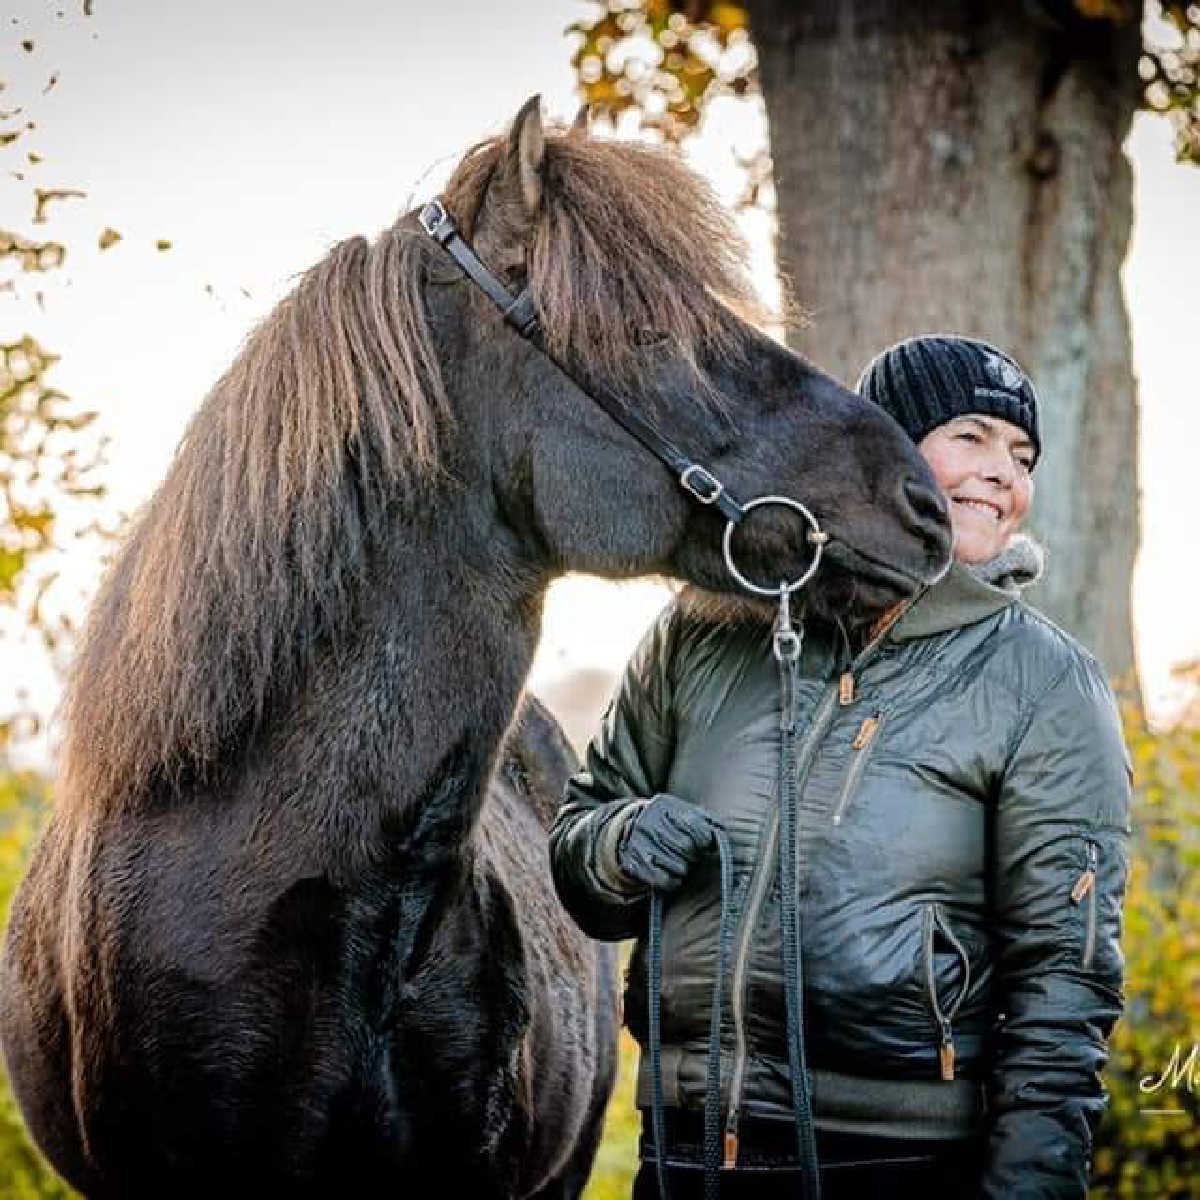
x: 1117, y: 11
x: 616, y: 1161
x: 1148, y: 1145
x: 24, y: 804
x: 729, y: 17
x: 662, y: 59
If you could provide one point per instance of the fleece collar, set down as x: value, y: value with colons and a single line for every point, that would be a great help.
x: 966, y: 594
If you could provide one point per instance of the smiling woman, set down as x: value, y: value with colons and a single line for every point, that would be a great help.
x: 960, y: 831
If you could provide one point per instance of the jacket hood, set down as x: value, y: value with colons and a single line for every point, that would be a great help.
x: 970, y: 593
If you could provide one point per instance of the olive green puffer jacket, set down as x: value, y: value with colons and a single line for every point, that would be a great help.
x: 963, y: 822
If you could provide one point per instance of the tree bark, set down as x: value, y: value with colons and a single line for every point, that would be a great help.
x: 957, y: 166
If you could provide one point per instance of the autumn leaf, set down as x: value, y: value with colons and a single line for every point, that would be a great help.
x: 12, y: 563
x: 43, y: 196
x: 728, y: 18
x: 1117, y: 11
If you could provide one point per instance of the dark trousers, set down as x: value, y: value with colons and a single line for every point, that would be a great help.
x: 852, y: 1167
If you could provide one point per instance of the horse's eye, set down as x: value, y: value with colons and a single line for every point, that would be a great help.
x: 647, y: 338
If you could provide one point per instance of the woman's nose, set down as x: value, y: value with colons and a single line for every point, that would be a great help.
x: 999, y: 469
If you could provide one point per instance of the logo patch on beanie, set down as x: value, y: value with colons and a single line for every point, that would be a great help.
x: 1003, y: 371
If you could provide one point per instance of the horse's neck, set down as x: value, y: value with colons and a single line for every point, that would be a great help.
x: 410, y: 711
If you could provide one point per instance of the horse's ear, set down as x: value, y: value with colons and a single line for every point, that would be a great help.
x: 526, y: 158
x: 583, y: 119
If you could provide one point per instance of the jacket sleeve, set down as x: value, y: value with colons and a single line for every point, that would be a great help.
x: 627, y: 762
x: 1062, y: 811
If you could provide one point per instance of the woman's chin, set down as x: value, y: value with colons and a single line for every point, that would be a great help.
x: 972, y: 545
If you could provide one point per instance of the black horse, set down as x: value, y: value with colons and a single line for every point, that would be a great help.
x: 292, y: 923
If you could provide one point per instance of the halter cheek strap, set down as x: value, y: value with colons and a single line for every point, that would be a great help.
x: 519, y: 312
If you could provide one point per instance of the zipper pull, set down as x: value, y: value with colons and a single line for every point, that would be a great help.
x: 1087, y: 880
x: 729, y: 1159
x: 865, y: 733
x: 846, y: 688
x: 731, y: 1151
x: 946, y: 1055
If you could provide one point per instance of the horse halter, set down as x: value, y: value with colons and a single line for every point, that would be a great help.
x: 695, y: 478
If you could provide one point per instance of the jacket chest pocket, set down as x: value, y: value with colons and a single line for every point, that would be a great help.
x: 864, y: 742
x: 936, y: 930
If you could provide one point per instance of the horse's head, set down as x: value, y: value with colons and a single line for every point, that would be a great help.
x: 640, y: 281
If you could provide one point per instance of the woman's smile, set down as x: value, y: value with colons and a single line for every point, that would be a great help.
x: 987, y: 508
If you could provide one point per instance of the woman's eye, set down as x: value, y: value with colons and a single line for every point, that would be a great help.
x: 968, y: 435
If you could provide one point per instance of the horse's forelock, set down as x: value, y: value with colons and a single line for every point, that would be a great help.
x: 629, y: 242
x: 634, y: 242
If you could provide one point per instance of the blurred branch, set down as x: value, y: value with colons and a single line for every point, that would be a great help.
x: 663, y: 60
x: 667, y: 59
x: 44, y: 466
x: 51, y: 455
x: 1171, y: 79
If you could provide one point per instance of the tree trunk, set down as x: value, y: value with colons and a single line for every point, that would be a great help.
x: 957, y: 167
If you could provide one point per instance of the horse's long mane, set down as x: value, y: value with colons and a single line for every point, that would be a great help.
x: 248, y: 556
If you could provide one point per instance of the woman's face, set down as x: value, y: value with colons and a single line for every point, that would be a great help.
x: 982, y: 465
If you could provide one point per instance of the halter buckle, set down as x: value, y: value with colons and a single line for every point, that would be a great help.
x: 522, y: 315
x: 437, y: 222
x: 702, y: 483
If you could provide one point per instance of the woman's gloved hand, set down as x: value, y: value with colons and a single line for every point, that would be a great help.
x: 661, y: 843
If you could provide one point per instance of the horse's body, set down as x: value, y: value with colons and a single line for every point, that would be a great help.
x: 308, y: 1031
x: 292, y: 923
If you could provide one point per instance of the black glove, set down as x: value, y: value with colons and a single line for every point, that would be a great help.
x: 660, y: 844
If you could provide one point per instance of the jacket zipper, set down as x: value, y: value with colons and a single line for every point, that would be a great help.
x: 933, y: 921
x: 1085, y: 887
x: 763, y: 873
x: 843, y: 692
x: 865, y: 738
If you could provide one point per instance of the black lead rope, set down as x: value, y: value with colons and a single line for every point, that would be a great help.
x: 520, y: 313
x: 787, y: 654
x: 787, y: 644
x: 712, y: 1078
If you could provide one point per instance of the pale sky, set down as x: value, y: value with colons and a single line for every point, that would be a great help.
x: 254, y: 135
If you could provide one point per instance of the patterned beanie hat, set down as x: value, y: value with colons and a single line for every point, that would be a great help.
x: 928, y: 380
